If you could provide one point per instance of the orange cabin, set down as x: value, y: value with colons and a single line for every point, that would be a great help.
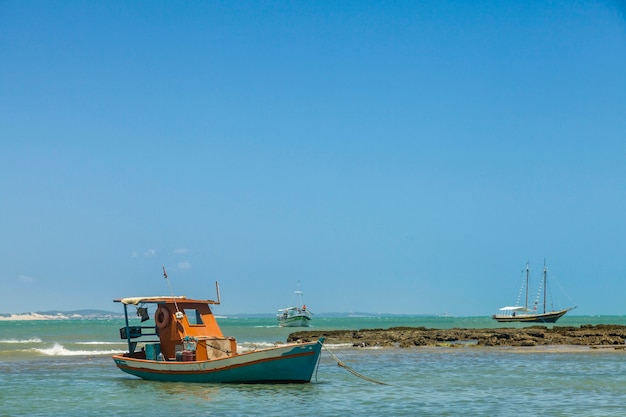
x: 187, y: 329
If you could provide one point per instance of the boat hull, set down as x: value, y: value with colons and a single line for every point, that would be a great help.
x: 299, y: 321
x: 293, y: 363
x: 550, y: 317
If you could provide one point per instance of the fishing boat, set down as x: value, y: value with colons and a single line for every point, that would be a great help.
x: 186, y: 344
x: 519, y: 313
x: 295, y: 316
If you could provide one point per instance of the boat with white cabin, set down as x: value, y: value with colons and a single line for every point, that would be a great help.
x: 295, y: 316
x: 524, y: 314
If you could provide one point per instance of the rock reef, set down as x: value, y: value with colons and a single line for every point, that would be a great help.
x: 587, y: 335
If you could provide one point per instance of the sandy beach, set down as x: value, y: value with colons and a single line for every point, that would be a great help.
x: 31, y: 316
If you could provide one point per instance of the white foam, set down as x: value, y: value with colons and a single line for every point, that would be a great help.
x: 21, y: 341
x: 59, y: 350
x: 250, y: 346
x: 338, y: 345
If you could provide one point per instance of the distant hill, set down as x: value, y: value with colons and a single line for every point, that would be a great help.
x: 330, y: 315
x: 104, y: 314
x: 84, y: 313
x: 62, y: 315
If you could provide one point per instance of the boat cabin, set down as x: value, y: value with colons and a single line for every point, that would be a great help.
x: 182, y: 330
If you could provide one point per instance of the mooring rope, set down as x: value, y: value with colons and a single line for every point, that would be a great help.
x: 347, y: 368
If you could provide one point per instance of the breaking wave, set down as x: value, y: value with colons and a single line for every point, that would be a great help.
x: 59, y: 350
x: 21, y: 341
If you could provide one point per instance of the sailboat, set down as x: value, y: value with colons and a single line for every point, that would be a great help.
x: 523, y: 314
x: 295, y: 316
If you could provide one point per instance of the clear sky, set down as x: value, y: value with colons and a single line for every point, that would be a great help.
x: 393, y: 157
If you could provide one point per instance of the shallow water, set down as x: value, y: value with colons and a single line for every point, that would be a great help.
x: 64, y: 368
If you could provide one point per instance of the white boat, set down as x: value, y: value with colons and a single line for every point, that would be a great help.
x: 295, y: 316
x: 519, y: 313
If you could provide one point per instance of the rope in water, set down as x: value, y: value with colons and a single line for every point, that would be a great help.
x: 352, y: 371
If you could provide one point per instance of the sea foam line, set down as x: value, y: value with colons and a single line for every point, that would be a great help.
x: 59, y: 350
x: 21, y: 341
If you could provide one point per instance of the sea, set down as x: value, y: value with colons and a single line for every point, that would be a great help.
x: 63, y: 367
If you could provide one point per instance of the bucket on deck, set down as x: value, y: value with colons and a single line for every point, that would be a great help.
x: 189, y: 355
x: 152, y: 351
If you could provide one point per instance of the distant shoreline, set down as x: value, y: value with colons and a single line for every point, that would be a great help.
x: 444, y: 320
x: 58, y: 316
x: 599, y: 335
x: 32, y: 316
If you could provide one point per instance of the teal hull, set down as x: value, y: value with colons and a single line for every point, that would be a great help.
x: 285, y: 364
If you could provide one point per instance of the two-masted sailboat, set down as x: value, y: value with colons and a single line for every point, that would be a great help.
x: 520, y: 313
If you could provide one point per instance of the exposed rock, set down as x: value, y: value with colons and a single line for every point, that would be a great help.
x: 586, y: 335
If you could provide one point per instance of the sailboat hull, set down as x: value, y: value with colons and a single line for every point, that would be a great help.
x: 550, y: 317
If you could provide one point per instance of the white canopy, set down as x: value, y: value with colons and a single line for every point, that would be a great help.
x: 137, y: 300
x: 514, y: 308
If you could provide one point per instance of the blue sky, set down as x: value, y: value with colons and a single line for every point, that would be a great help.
x: 394, y: 157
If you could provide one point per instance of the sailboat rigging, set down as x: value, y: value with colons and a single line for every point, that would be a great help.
x: 523, y: 314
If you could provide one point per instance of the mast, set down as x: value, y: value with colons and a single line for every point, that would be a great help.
x: 527, y: 272
x: 545, y: 274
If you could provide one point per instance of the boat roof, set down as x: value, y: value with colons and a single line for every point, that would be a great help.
x: 289, y: 308
x: 514, y: 308
x: 162, y: 299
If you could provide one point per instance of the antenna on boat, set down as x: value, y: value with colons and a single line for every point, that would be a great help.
x: 168, y: 281
x: 217, y: 290
x: 179, y: 315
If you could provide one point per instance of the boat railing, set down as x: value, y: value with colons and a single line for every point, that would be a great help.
x: 134, y: 332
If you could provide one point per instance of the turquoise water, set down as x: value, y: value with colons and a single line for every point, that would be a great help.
x: 64, y: 368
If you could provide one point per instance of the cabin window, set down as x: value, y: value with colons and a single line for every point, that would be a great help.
x: 193, y: 316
